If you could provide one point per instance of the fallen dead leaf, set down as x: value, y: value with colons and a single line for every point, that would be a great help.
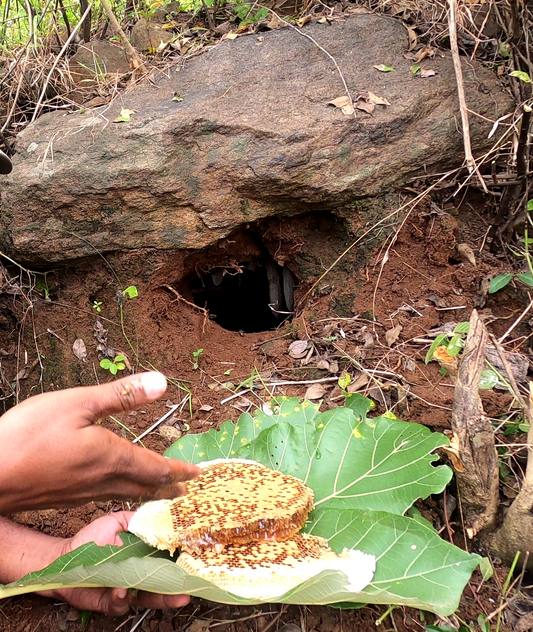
x: 466, y: 253
x: 360, y: 381
x: 391, y: 336
x: 374, y: 98
x: 125, y: 116
x: 315, y: 391
x: 170, y: 433
x: 298, y: 349
x: 368, y: 340
x: 79, y: 349
x: 366, y: 107
x: 427, y: 73
x: 305, y: 20
x: 344, y: 104
x: 444, y: 358
x: 205, y: 408
x: 412, y: 37
x: 323, y: 364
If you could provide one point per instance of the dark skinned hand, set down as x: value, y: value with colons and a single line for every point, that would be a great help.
x: 111, y: 601
x: 54, y: 454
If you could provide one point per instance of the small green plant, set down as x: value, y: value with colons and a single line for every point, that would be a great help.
x: 113, y: 366
x: 502, y: 280
x: 454, y: 341
x: 97, y: 306
x: 246, y: 16
x: 196, y: 357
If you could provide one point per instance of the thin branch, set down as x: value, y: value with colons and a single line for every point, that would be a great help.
x: 452, y: 25
x: 135, y: 60
x: 56, y: 62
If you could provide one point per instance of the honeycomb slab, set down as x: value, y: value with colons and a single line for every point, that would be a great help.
x: 267, y: 570
x: 231, y: 502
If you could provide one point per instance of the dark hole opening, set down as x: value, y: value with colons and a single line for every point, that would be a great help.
x: 250, y: 297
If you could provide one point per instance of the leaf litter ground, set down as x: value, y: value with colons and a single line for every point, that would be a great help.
x: 424, y: 285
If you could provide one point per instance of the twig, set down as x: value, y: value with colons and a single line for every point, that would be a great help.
x: 276, y: 618
x: 136, y: 62
x: 452, y: 27
x: 56, y: 62
x: 511, y: 378
x: 179, y: 297
x: 159, y: 421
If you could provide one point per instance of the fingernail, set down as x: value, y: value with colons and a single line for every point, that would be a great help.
x: 121, y: 593
x: 153, y: 384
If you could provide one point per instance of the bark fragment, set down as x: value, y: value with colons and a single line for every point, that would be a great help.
x: 474, y: 435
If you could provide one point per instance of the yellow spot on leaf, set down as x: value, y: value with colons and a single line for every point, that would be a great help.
x: 356, y: 433
x: 180, y: 446
x: 390, y: 415
x: 320, y: 426
x: 296, y: 409
x: 201, y: 453
x: 243, y: 440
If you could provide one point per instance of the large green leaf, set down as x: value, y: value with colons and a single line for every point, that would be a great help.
x: 226, y: 442
x: 357, y: 467
x: 382, y: 463
x: 414, y: 566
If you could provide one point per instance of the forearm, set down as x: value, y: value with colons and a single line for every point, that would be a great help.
x: 23, y: 550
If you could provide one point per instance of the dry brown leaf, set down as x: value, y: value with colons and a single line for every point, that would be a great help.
x: 205, y: 408
x: 340, y: 102
x: 368, y: 340
x: 444, y: 358
x: 466, y: 253
x: 344, y: 104
x: 366, y: 107
x: 170, y: 433
x: 424, y: 53
x: 315, y: 391
x: 427, y: 73
x: 412, y: 36
x: 305, y: 20
x: 274, y: 22
x: 79, y: 349
x: 333, y: 367
x: 391, y: 336
x: 361, y: 381
x: 298, y: 349
x: 374, y: 98
x: 323, y: 364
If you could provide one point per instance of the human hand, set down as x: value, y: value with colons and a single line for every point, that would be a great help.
x: 110, y: 601
x: 54, y: 454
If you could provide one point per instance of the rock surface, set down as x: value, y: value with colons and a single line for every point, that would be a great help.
x: 252, y: 138
x: 97, y: 61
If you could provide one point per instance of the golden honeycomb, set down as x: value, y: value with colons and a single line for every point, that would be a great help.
x: 266, y: 570
x: 230, y: 502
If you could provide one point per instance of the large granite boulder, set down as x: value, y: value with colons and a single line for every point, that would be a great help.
x: 253, y: 137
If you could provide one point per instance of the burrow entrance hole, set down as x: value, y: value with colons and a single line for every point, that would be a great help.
x: 240, y: 283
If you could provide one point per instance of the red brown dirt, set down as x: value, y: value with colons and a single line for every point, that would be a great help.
x: 424, y: 284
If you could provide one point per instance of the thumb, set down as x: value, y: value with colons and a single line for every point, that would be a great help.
x: 128, y: 393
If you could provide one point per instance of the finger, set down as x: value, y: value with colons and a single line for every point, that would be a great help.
x: 156, y: 476
x: 115, y: 602
x: 124, y: 395
x: 158, y: 602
